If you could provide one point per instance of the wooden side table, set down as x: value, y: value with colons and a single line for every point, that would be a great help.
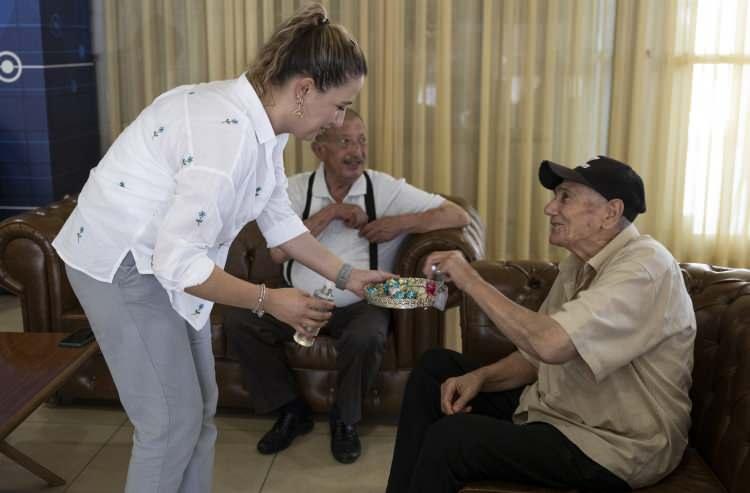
x: 32, y: 368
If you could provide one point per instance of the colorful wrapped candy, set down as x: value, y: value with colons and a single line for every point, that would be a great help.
x: 405, y: 292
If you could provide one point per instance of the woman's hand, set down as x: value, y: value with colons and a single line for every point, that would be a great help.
x: 298, y: 309
x: 360, y: 278
x: 453, y: 266
x: 456, y: 392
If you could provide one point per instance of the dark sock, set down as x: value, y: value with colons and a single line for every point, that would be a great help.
x: 297, y: 407
x: 334, y: 415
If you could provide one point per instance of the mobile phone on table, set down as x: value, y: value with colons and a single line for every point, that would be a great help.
x: 77, y: 338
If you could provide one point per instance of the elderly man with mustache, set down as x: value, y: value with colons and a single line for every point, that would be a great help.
x: 363, y: 216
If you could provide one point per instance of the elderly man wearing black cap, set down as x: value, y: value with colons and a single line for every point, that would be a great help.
x: 596, y: 396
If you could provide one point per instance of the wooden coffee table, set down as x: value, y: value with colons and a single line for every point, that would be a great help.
x: 32, y: 368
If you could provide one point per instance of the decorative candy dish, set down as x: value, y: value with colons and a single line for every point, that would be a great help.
x: 403, y: 293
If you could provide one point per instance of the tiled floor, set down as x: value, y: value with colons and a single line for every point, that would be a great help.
x: 90, y: 447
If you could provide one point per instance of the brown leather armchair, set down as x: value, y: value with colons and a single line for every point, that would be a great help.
x: 30, y: 268
x: 718, y: 458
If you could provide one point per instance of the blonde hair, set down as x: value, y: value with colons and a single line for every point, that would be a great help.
x: 308, y: 44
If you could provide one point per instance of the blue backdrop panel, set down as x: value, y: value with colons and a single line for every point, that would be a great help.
x: 49, y: 137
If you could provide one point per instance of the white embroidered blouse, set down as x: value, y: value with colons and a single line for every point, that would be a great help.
x: 177, y: 186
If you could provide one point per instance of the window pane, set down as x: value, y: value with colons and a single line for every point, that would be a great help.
x: 717, y: 146
x: 716, y: 27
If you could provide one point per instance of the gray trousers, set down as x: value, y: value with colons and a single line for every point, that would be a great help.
x: 164, y: 373
x: 360, y: 330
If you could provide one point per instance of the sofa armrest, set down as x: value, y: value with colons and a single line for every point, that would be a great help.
x: 416, y: 331
x: 31, y: 269
x: 525, y: 282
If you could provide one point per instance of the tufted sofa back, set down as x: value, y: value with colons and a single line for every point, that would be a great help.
x: 30, y: 268
x: 721, y: 375
x: 720, y: 393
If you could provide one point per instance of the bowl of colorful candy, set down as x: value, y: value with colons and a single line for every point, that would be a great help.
x: 403, y: 293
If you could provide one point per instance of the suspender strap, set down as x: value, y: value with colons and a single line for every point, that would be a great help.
x: 305, y: 215
x: 370, y: 206
x: 371, y: 215
x: 306, y: 212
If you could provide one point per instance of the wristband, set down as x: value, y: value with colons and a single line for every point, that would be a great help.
x: 343, y: 276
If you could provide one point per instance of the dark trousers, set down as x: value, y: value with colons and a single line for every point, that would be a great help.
x: 439, y: 453
x: 360, y: 331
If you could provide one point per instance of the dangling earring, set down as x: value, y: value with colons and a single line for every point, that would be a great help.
x: 299, y: 112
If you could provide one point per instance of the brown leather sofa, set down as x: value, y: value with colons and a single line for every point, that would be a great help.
x: 30, y: 268
x: 718, y: 458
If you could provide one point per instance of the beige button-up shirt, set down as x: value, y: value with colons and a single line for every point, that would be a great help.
x: 624, y: 399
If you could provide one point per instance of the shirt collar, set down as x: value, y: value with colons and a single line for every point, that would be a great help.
x: 258, y: 116
x: 320, y: 188
x: 572, y: 263
x: 615, y: 245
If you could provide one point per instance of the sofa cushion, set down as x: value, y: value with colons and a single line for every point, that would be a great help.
x: 692, y: 474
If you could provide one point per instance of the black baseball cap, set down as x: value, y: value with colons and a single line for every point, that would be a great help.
x: 611, y: 178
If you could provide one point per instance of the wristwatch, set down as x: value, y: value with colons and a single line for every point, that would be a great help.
x: 343, y: 276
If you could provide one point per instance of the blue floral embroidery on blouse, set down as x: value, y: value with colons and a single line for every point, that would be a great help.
x: 187, y: 160
x: 198, y: 310
x: 158, y: 132
x: 257, y: 191
x: 122, y: 184
x: 201, y: 217
x: 231, y: 121
x: 80, y: 234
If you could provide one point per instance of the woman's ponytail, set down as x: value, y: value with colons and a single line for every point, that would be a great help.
x: 308, y: 44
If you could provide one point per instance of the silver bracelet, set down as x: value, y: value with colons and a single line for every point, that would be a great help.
x: 343, y: 276
x: 261, y: 298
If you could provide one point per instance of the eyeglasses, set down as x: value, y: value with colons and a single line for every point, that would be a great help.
x: 346, y: 142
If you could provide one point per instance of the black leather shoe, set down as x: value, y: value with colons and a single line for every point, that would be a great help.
x: 288, y: 427
x: 345, y: 445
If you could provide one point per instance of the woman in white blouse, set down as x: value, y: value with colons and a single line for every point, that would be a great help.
x: 145, y: 246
